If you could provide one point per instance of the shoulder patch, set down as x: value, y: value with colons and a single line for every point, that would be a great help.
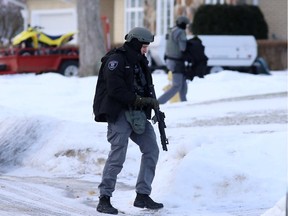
x: 112, y: 64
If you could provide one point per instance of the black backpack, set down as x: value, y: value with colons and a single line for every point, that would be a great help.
x: 196, y: 59
x: 101, y: 87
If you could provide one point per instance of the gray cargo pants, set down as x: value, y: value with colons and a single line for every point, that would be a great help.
x: 179, y: 84
x: 118, y: 134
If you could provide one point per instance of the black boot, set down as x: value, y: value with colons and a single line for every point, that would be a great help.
x: 104, y: 206
x: 144, y: 201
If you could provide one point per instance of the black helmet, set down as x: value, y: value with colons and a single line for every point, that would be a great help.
x: 143, y: 35
x: 182, y: 20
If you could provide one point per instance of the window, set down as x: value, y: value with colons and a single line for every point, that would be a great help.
x: 156, y: 15
x: 214, y: 1
x: 134, y: 14
x: 165, y: 18
x: 234, y: 2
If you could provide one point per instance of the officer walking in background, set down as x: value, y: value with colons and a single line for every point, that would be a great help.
x: 175, y: 46
x: 124, y: 100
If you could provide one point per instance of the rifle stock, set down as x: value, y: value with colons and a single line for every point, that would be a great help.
x: 159, y: 117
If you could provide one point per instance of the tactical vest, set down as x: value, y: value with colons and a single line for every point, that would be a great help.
x: 172, y: 49
x: 140, y: 83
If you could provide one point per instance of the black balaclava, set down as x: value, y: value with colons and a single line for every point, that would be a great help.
x: 135, y: 44
x: 182, y: 25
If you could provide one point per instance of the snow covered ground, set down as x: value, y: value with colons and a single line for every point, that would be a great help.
x: 227, y: 152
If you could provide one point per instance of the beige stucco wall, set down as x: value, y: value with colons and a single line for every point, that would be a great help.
x: 107, y: 10
x: 119, y: 21
x: 275, y: 13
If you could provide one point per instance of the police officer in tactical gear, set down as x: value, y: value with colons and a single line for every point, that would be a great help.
x: 123, y: 88
x: 175, y: 46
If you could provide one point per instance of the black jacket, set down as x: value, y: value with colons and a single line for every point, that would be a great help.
x: 115, y: 89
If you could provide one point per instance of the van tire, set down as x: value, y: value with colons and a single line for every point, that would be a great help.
x: 215, y: 69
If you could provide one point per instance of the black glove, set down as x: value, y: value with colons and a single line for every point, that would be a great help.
x: 146, y: 101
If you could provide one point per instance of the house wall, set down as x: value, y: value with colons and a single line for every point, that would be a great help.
x: 275, y: 13
x: 56, y: 17
x: 187, y: 8
x: 119, y: 22
x: 110, y: 9
x: 274, y: 52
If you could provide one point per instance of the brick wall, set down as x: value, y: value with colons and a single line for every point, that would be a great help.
x: 274, y: 52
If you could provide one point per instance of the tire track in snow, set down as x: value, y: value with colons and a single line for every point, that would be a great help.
x: 245, y: 98
x: 24, y: 198
x: 29, y: 196
x: 278, y: 116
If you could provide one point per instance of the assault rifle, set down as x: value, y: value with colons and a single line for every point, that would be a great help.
x: 159, y: 117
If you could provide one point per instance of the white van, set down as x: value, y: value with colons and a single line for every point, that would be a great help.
x: 223, y: 52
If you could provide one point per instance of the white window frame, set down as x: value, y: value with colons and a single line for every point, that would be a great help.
x: 130, y: 9
x: 164, y: 19
x: 214, y: 1
x: 253, y: 2
x: 256, y: 2
x: 165, y: 16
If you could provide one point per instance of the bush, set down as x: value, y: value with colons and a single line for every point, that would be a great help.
x: 230, y: 20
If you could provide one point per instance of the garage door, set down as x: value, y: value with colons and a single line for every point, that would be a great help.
x: 55, y: 22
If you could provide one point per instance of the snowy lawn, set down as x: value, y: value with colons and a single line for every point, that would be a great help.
x: 227, y: 152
